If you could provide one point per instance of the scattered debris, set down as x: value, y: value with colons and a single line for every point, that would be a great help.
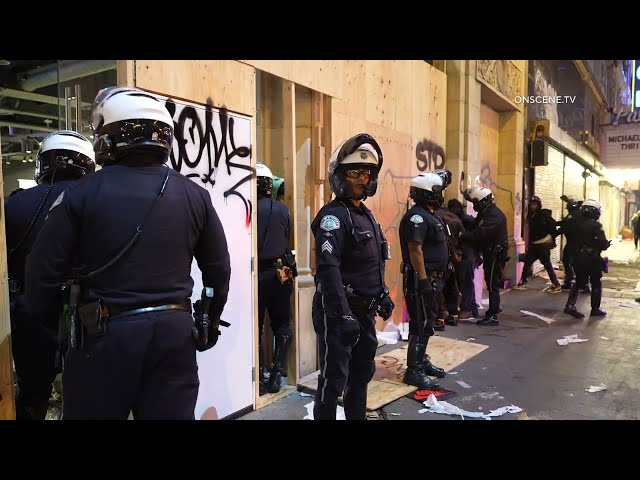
x: 570, y: 339
x: 303, y: 394
x: 445, y: 408
x: 604, y: 338
x: 593, y: 388
x: 309, y: 415
x: 471, y: 339
x: 462, y: 384
x: 387, y: 338
x: 452, y: 373
x: 395, y: 414
x: 541, y: 317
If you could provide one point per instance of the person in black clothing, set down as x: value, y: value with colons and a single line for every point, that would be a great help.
x: 351, y: 251
x: 588, y: 263
x: 127, y: 236
x: 275, y: 279
x: 542, y: 230
x: 449, y: 302
x: 568, y: 227
x: 465, y: 270
x: 63, y: 157
x: 489, y: 236
x: 425, y: 259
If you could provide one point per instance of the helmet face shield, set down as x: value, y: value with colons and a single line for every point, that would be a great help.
x: 357, y: 153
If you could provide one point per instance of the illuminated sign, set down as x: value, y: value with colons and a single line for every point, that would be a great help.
x: 635, y: 86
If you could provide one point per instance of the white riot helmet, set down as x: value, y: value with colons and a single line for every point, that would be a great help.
x: 65, y: 152
x: 591, y: 208
x: 479, y: 197
x: 429, y: 187
x: 123, y: 118
x: 362, y: 151
x: 264, y: 179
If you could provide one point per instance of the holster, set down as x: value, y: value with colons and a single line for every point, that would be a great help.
x: 94, y: 317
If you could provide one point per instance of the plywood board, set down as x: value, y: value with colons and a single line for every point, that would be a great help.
x: 380, y: 94
x: 326, y: 76
x: 223, y: 83
x: 386, y: 385
x: 264, y: 400
x: 404, y: 95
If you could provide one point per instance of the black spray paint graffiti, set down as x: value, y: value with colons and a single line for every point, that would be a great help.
x: 430, y: 155
x: 189, y: 130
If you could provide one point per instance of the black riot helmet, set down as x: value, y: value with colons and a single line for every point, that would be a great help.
x: 591, y: 209
x: 67, y: 153
x: 359, y: 152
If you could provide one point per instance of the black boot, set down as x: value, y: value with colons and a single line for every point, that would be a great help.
x: 355, y: 402
x: 281, y: 342
x: 452, y: 320
x: 415, y: 375
x: 570, y: 307
x: 430, y: 369
x: 596, y: 298
x: 325, y: 410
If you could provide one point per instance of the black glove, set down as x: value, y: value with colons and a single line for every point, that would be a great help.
x: 385, y: 308
x: 213, y: 330
x: 349, y: 329
x: 425, y: 285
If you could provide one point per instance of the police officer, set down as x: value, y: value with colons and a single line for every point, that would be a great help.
x: 128, y: 234
x: 451, y: 297
x: 465, y: 270
x: 542, y: 231
x: 588, y: 264
x: 62, y: 158
x: 568, y: 227
x: 425, y: 257
x: 350, y: 262
x: 489, y: 236
x: 275, y: 281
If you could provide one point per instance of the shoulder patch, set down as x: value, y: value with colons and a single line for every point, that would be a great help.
x: 416, y: 219
x: 329, y: 222
x: 57, y: 202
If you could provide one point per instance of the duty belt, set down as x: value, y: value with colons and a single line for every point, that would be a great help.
x: 119, y: 312
x: 430, y: 273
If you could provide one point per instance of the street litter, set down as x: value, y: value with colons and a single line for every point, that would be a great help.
x: 570, y: 339
x: 541, y: 317
x: 445, y: 408
x: 303, y: 394
x: 470, y: 339
x: 387, y: 338
x: 309, y: 415
x: 395, y: 414
x: 452, y: 373
x: 463, y: 384
x: 593, y: 389
x: 604, y: 338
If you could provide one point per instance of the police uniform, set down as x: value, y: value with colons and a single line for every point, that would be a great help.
x: 569, y: 227
x: 449, y: 308
x: 33, y: 339
x: 426, y: 228
x: 489, y: 235
x: 146, y: 361
x: 350, y: 266
x: 273, y: 242
x: 589, y: 265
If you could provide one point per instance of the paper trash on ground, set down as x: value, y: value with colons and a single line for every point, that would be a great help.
x: 541, y: 317
x: 470, y: 339
x: 387, y: 338
x: 445, y: 408
x: 463, y: 384
x: 452, y: 373
x: 570, y: 339
x: 593, y: 388
x: 309, y: 415
x: 303, y: 394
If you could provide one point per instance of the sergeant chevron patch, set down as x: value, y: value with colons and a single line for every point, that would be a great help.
x: 326, y: 247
